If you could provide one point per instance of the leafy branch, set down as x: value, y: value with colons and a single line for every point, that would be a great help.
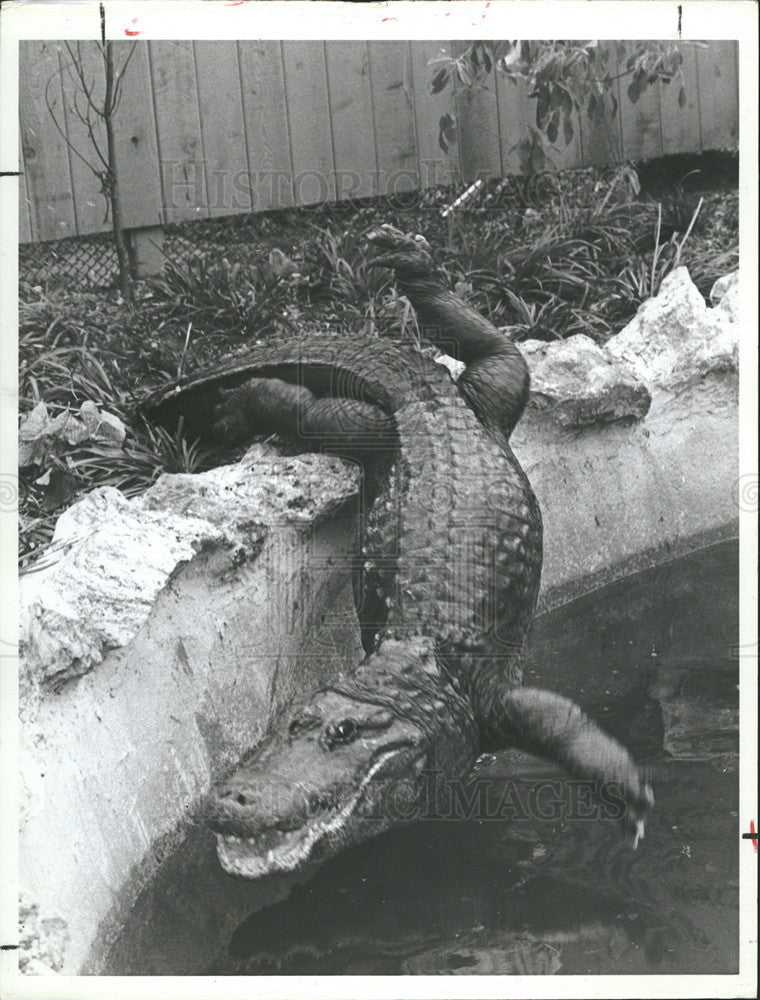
x: 562, y: 77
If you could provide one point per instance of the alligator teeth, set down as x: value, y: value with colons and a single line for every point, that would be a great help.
x: 252, y: 857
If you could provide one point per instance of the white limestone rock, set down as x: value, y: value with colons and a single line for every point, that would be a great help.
x: 722, y: 286
x: 727, y: 301
x: 110, y: 557
x: 675, y: 339
x: 577, y: 384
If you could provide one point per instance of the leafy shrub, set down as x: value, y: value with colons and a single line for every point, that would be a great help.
x: 218, y: 296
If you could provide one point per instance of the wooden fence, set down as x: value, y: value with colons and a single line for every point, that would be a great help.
x: 213, y: 128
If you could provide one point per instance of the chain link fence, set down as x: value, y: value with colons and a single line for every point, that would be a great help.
x: 89, y: 263
x: 82, y: 263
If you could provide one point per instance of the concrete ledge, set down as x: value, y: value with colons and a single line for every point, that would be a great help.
x: 117, y: 752
x: 622, y: 492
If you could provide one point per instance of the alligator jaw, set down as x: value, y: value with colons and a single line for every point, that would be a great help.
x: 275, y: 851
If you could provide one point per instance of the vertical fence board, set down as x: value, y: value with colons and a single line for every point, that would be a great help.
x: 718, y: 103
x: 641, y: 122
x: 680, y: 125
x: 220, y: 102
x: 26, y: 233
x: 435, y: 166
x: 91, y: 208
x: 46, y: 161
x: 516, y: 116
x: 266, y: 123
x: 178, y: 130
x: 351, y: 118
x: 24, y: 223
x: 601, y: 141
x: 390, y: 67
x: 620, y: 96
x: 309, y: 122
x: 478, y: 120
x: 135, y: 141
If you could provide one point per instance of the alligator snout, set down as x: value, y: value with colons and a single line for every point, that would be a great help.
x: 252, y: 810
x: 232, y: 809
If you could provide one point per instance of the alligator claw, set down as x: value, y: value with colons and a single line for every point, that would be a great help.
x: 636, y: 819
x: 393, y: 248
x: 634, y: 832
x: 638, y: 833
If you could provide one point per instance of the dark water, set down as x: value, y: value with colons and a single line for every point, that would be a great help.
x: 651, y: 659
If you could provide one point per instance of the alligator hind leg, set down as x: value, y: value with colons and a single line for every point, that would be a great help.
x: 551, y: 726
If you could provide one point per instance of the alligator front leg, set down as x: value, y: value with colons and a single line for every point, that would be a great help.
x: 554, y: 727
x: 334, y: 424
x: 270, y: 405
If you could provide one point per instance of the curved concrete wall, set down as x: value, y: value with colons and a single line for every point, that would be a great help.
x: 242, y: 602
x: 618, y: 497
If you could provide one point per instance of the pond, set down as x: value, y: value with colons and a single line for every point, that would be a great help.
x: 653, y: 658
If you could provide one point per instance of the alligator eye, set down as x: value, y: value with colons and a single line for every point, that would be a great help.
x: 342, y: 732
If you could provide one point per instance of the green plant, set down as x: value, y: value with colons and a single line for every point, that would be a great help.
x: 76, y: 404
x: 61, y: 476
x: 67, y: 376
x: 562, y: 77
x: 680, y: 210
x: 641, y: 278
x: 219, y: 297
x: 706, y: 267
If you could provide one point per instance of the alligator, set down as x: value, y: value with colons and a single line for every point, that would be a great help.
x: 451, y: 567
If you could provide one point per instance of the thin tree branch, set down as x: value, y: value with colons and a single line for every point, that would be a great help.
x: 90, y: 125
x: 77, y: 73
x: 122, y: 249
x: 120, y: 77
x: 78, y: 67
x: 86, y: 120
x: 88, y: 90
x: 61, y: 132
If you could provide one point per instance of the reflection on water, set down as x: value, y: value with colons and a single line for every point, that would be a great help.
x: 650, y: 657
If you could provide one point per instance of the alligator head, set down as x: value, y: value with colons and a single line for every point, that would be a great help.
x: 343, y: 767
